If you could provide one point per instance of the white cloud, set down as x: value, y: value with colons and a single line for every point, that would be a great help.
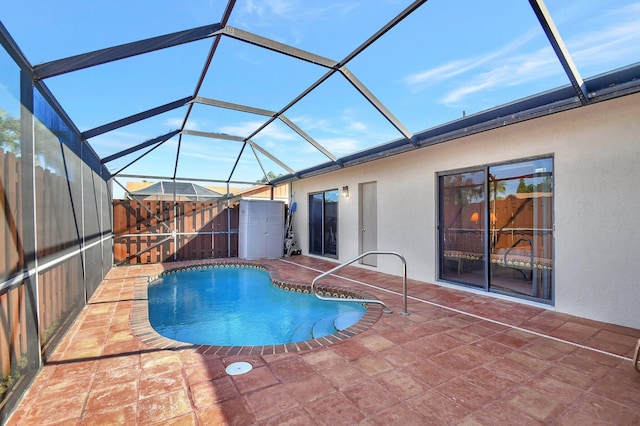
x: 176, y: 123
x: 431, y: 77
x: 357, y: 126
x: 339, y: 146
x: 617, y: 42
x: 298, y: 14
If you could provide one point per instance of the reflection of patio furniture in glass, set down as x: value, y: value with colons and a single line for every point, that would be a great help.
x: 518, y: 263
x: 521, y: 257
x: 462, y: 258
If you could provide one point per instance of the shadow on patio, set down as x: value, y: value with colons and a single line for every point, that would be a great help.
x: 458, y: 358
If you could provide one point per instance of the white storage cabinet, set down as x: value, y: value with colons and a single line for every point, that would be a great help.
x: 261, y: 229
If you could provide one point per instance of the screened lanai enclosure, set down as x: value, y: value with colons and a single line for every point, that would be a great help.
x: 241, y: 99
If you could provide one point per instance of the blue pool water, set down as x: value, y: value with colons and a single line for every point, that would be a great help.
x: 238, y: 306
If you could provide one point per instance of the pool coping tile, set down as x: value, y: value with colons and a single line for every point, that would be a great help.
x: 144, y: 332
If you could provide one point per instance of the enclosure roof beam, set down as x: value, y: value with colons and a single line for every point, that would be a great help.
x: 232, y: 106
x: 254, y: 145
x: 396, y: 20
x: 275, y: 46
x: 264, y: 112
x: 257, y: 147
x: 135, y: 118
x: 159, y: 139
x: 185, y: 179
x: 213, y: 135
x: 364, y: 91
x: 549, y: 27
x: 308, y: 138
x: 214, y: 47
x: 110, y: 54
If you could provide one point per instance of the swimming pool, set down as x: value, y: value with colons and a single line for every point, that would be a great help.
x: 233, y: 305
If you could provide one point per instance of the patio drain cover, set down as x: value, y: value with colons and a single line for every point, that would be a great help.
x: 237, y: 368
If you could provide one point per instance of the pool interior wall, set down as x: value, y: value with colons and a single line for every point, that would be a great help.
x: 143, y: 329
x: 239, y: 306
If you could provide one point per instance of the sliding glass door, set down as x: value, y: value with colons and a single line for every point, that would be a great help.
x: 496, y: 228
x: 323, y: 223
x: 462, y: 228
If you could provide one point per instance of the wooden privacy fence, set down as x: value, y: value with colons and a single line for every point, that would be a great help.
x: 152, y: 231
x: 60, y: 288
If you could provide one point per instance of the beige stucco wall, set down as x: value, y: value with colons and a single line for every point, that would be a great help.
x: 596, y: 152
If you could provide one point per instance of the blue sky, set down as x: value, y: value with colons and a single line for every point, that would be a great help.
x: 447, y: 58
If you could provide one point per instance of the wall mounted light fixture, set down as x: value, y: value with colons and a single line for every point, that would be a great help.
x: 345, y: 191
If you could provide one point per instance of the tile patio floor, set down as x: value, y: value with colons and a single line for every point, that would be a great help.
x: 458, y: 358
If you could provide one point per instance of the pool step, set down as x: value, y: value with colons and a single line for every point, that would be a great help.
x: 315, y: 328
x: 323, y: 327
x: 347, y: 319
x: 303, y: 331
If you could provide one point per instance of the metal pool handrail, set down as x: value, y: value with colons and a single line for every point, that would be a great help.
x: 386, y: 308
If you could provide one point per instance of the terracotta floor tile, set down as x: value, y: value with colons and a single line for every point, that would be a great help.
x: 536, y: 404
x: 117, y: 416
x: 351, y: 350
x: 465, y: 393
x: 188, y: 419
x: 501, y: 413
x: 401, y: 384
x: 520, y: 365
x: 398, y: 337
x: 126, y: 373
x: 622, y: 387
x: 270, y: 401
x: 335, y: 410
x: 574, y: 378
x: 399, y: 414
x: 431, y: 374
x: 163, y: 406
x: 309, y: 388
x: 160, y: 362
x: 602, y: 408
x: 211, y: 392
x: 437, y: 409
x: 232, y: 412
x: 322, y: 359
x: 294, y: 417
x: 106, y: 363
x: 68, y: 409
x: 497, y: 350
x: 345, y: 375
x: 106, y: 397
x: 290, y: 368
x: 435, y: 366
x: 257, y: 378
x: 155, y: 384
x: 376, y: 342
x: 564, y: 393
x: 574, y: 332
x: 370, y: 397
x: 583, y: 365
x: 548, y: 350
x: 63, y: 389
x: 512, y: 338
x: 491, y: 380
x: 399, y: 356
x: 205, y: 370
x: 573, y: 417
x: 373, y: 364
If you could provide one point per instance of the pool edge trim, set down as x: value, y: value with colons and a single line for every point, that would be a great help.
x: 144, y: 332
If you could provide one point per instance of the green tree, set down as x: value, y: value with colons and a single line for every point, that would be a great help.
x: 269, y: 177
x: 523, y: 188
x: 9, y: 132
